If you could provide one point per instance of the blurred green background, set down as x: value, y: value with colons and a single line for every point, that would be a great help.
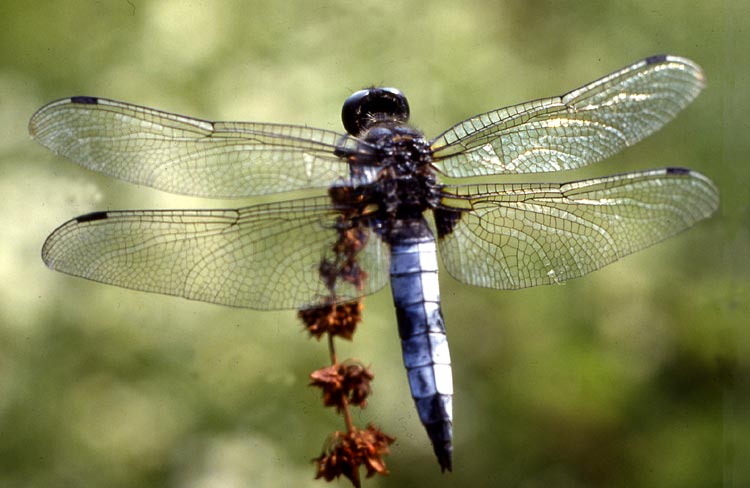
x: 636, y: 375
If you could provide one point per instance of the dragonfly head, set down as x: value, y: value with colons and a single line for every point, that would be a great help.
x: 367, y: 107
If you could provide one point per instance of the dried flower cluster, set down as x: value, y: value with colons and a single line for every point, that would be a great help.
x: 335, y: 320
x: 343, y: 383
x: 347, y: 451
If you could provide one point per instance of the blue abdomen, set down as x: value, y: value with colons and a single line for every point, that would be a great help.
x: 416, y: 296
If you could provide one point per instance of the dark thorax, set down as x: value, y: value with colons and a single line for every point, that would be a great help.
x: 396, y: 172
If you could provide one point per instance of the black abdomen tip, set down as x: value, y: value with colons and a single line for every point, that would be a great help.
x: 441, y: 434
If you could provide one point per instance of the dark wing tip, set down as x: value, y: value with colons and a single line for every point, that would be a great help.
x: 90, y: 217
x: 41, y: 116
x: 85, y: 100
x: 50, y: 250
x: 678, y: 171
x: 658, y: 58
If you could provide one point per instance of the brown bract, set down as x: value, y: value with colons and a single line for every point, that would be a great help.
x: 337, y: 320
x: 343, y: 383
x: 346, y: 452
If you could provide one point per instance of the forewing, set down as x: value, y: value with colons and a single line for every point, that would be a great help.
x: 263, y: 257
x: 570, y: 131
x: 519, y: 235
x: 190, y: 156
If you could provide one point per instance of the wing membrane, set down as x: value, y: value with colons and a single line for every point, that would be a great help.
x: 532, y: 234
x: 189, y: 156
x: 581, y: 127
x: 262, y: 257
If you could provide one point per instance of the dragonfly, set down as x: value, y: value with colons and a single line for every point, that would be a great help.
x: 381, y: 180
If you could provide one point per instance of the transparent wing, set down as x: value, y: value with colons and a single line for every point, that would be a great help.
x: 190, y: 156
x: 263, y: 257
x: 579, y: 128
x: 519, y: 235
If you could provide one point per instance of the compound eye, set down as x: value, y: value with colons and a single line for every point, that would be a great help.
x: 366, y: 107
